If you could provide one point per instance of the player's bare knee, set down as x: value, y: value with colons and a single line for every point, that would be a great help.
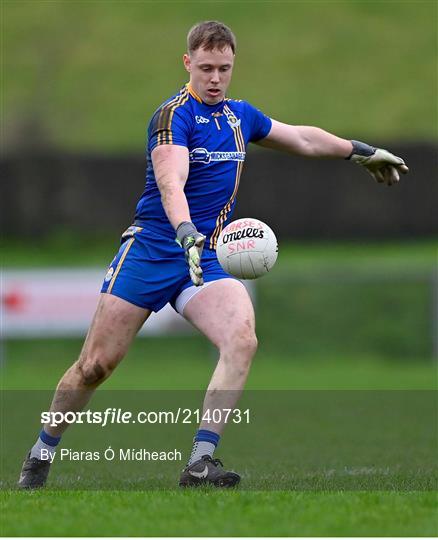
x: 94, y: 370
x: 248, y: 344
x: 242, y: 344
x: 92, y: 374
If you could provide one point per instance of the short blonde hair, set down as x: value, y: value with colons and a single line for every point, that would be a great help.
x: 210, y: 35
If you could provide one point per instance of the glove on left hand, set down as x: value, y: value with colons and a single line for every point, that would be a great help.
x: 383, y: 166
x: 193, y: 243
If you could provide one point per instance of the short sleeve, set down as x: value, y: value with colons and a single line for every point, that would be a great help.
x: 169, y: 125
x: 259, y: 122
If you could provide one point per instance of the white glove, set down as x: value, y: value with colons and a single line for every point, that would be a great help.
x: 383, y: 166
x: 193, y: 243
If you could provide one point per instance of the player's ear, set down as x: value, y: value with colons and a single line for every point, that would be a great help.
x: 186, y: 60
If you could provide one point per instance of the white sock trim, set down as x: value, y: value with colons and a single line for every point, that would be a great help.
x: 201, y: 448
x: 38, y: 447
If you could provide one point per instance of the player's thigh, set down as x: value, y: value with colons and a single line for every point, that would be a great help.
x: 114, y: 326
x: 223, y: 312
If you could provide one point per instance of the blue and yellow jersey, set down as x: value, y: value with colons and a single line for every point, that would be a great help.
x: 216, y: 137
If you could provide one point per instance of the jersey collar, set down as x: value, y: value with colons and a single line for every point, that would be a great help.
x: 195, y: 96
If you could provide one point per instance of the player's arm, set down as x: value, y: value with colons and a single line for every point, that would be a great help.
x: 314, y: 142
x: 171, y: 169
x: 306, y: 141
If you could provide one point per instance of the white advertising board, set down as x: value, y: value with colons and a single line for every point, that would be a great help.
x: 61, y: 302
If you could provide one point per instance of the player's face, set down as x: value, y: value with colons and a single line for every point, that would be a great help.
x: 210, y: 73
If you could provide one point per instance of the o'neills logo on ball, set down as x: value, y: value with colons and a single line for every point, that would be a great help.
x: 248, y: 232
x: 247, y: 248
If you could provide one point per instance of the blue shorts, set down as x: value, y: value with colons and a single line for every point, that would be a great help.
x: 149, y: 271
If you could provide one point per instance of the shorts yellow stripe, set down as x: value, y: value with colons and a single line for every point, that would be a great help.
x: 119, y: 266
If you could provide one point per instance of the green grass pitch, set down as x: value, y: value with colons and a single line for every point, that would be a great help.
x: 167, y: 511
x: 208, y: 513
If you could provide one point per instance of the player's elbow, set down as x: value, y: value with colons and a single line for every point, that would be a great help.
x: 306, y: 143
x: 170, y: 189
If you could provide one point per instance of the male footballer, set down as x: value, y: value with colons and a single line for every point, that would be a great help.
x: 196, y: 148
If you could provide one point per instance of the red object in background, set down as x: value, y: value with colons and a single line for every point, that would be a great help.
x: 60, y: 302
x: 14, y: 301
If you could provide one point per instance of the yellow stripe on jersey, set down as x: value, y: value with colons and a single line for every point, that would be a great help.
x: 163, y: 120
x: 161, y: 123
x: 226, y: 209
x: 164, y: 124
x: 181, y: 102
x: 240, y: 146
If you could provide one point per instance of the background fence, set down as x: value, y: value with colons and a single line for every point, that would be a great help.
x: 300, y: 198
x: 354, y: 279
